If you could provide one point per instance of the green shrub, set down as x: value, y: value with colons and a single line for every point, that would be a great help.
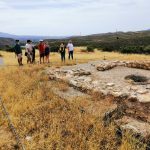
x: 147, y: 49
x: 90, y: 48
x: 108, y: 49
x: 9, y: 49
x: 54, y: 48
x: 132, y: 49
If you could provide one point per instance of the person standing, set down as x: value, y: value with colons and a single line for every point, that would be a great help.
x: 47, y: 52
x: 70, y: 49
x: 33, y: 54
x: 29, y: 51
x: 62, y: 51
x: 41, y: 48
x: 18, y: 52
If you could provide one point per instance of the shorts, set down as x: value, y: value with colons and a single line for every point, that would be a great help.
x: 46, y: 53
x: 29, y: 56
x: 42, y: 55
x: 19, y: 56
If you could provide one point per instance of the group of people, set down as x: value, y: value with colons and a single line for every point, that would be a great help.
x: 44, y: 51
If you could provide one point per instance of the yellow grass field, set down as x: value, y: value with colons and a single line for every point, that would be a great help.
x: 45, y: 121
x: 79, y: 57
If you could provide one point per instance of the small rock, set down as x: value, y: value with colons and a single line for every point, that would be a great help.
x: 73, y: 82
x: 144, y: 98
x: 142, y: 91
x: 110, y: 84
x: 134, y: 88
x: 117, y: 94
x: 52, y: 77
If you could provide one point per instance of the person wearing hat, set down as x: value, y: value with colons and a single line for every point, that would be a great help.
x: 70, y: 49
x: 29, y: 51
x: 41, y: 48
x: 18, y: 52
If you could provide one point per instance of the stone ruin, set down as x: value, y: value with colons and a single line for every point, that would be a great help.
x: 126, y: 82
x: 131, y: 64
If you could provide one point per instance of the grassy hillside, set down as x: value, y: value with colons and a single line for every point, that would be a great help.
x: 138, y: 42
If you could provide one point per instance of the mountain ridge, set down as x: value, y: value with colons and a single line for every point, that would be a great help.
x: 31, y: 37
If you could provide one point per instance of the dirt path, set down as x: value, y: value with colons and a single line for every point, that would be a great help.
x: 1, y: 61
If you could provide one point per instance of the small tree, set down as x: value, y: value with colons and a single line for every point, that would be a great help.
x: 90, y: 48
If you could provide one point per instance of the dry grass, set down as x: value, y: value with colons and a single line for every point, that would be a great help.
x: 80, y: 57
x: 51, y: 122
x: 62, y: 86
x: 35, y: 111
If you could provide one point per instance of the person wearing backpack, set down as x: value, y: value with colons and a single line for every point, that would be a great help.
x: 18, y: 52
x: 29, y: 51
x: 70, y: 49
x: 62, y: 51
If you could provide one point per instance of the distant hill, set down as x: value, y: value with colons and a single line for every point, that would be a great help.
x: 106, y: 41
x: 106, y: 37
x: 112, y: 36
x: 31, y: 37
x: 6, y: 43
x: 112, y: 41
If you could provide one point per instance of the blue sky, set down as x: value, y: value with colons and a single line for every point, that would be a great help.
x: 73, y: 17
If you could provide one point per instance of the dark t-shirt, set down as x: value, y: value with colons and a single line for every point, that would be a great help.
x: 17, y: 49
x: 47, y: 50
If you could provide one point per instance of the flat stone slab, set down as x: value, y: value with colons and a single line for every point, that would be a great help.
x: 142, y: 128
x: 86, y: 76
x: 70, y: 94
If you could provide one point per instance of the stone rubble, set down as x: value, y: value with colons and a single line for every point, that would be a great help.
x: 108, y: 79
x: 131, y: 64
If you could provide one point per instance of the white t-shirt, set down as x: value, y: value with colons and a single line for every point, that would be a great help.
x: 70, y: 47
x: 29, y: 47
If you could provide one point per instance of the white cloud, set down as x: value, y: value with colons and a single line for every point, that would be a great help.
x: 69, y: 17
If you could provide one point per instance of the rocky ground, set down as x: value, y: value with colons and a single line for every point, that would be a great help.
x: 127, y: 84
